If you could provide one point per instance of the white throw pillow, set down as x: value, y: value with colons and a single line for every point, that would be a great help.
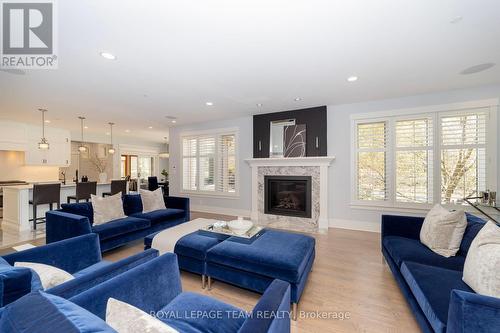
x: 125, y: 318
x: 152, y: 200
x: 482, y: 264
x: 442, y: 230
x: 108, y: 208
x: 50, y: 276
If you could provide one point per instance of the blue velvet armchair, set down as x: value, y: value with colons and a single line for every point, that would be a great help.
x: 79, y: 256
x: 155, y: 287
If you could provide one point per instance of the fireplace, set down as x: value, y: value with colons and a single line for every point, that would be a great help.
x: 287, y: 195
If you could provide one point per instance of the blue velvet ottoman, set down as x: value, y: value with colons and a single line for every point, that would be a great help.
x: 191, y: 252
x: 274, y: 255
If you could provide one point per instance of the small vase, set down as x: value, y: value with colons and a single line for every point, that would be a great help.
x: 103, y: 177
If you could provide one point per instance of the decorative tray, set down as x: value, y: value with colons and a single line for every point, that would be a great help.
x: 221, y: 230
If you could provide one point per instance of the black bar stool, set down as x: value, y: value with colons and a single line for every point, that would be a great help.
x: 44, y: 194
x: 117, y: 186
x: 153, y: 183
x: 83, y: 191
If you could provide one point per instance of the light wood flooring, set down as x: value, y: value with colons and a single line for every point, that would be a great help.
x: 348, y: 277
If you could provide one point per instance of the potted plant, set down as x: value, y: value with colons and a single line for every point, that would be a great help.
x: 164, y: 173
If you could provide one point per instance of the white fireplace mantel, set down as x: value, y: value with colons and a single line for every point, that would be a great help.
x: 323, y: 162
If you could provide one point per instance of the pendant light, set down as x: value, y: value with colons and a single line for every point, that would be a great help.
x: 43, y: 144
x: 112, y: 149
x: 82, y: 148
x: 165, y: 153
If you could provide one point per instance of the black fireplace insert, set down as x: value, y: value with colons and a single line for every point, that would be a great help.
x: 287, y: 195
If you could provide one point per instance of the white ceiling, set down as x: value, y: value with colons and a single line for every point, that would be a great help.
x: 173, y: 56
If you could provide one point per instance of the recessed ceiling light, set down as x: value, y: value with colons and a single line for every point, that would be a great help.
x: 456, y: 19
x: 296, y: 99
x: 477, y: 68
x: 47, y: 121
x: 150, y: 127
x: 209, y: 103
x: 86, y: 127
x: 352, y: 78
x: 259, y: 105
x: 174, y: 121
x: 108, y: 56
x: 127, y: 131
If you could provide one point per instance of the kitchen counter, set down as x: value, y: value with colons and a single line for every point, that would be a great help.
x: 16, y: 208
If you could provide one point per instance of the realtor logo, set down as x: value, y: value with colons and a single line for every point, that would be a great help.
x: 28, y: 35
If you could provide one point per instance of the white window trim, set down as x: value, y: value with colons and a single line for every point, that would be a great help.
x: 435, y: 111
x: 212, y: 194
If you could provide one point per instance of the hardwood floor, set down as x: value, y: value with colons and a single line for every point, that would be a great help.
x: 348, y: 277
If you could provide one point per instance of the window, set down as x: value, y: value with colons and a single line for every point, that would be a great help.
x: 422, y: 158
x: 209, y: 163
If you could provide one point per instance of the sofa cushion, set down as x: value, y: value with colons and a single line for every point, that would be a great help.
x: 405, y: 249
x: 41, y: 312
x: 81, y: 208
x: 132, y: 204
x: 179, y: 314
x: 161, y: 215
x: 14, y: 283
x: 482, y: 264
x: 120, y: 227
x: 474, y: 225
x: 276, y: 254
x: 431, y: 286
x: 92, y: 268
x: 443, y: 230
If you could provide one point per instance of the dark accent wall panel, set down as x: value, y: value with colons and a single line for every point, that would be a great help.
x: 316, y: 127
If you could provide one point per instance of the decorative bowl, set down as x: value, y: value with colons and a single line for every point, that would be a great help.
x: 240, y: 227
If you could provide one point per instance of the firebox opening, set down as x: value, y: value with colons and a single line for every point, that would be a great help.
x: 288, y: 195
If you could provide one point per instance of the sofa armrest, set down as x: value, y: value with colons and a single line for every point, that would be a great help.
x: 15, y: 282
x: 61, y: 225
x: 82, y: 283
x: 149, y: 287
x: 179, y: 203
x: 71, y: 255
x: 272, y: 312
x: 403, y: 226
x: 471, y: 313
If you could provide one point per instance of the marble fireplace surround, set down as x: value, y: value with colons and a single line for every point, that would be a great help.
x: 316, y: 167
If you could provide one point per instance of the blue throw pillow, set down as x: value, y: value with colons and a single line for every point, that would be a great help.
x: 16, y: 282
x: 80, y: 208
x: 41, y: 312
x: 474, y: 225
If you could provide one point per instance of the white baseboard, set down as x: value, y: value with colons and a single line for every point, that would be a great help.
x: 355, y: 225
x: 220, y: 210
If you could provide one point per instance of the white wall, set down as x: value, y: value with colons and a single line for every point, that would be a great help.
x: 236, y: 206
x: 339, y: 122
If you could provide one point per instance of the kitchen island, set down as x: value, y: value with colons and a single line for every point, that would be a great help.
x: 16, y: 208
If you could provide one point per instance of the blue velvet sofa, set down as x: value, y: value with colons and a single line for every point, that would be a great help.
x: 79, y: 256
x: 432, y: 284
x: 155, y: 288
x: 77, y: 219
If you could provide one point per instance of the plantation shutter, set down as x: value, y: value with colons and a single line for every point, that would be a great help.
x: 227, y: 163
x: 209, y: 163
x: 189, y: 163
x: 371, y: 139
x: 414, y: 160
x: 463, y: 154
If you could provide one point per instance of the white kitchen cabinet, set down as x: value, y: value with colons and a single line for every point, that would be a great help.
x: 12, y: 136
x: 59, y: 152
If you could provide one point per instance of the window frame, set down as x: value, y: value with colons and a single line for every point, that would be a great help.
x: 207, y: 133
x: 435, y: 113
